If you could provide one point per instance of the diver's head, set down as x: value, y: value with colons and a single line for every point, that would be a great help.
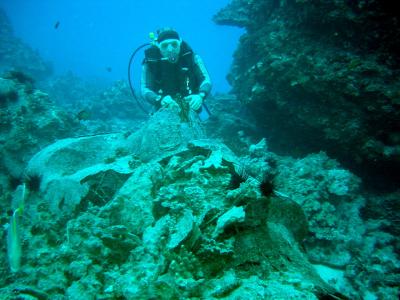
x: 169, y: 43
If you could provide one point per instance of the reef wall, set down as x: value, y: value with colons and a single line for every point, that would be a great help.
x: 322, y: 75
x: 15, y: 54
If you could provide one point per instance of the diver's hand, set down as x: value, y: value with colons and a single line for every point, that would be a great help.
x: 167, y: 101
x: 195, y: 101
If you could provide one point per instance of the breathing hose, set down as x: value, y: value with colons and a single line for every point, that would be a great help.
x: 130, y: 81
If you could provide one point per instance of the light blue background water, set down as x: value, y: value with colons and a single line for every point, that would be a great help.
x: 96, y: 34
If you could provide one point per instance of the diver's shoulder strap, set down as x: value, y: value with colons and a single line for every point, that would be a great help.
x: 152, y: 55
x: 187, y: 56
x: 185, y: 48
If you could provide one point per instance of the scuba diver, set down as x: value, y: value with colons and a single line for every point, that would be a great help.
x: 173, y: 75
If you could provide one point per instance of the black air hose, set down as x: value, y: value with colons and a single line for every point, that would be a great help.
x: 129, y: 77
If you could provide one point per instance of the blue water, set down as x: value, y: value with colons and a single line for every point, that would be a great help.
x: 95, y: 38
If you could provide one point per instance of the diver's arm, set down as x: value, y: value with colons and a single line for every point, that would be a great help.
x: 204, y: 77
x: 145, y: 86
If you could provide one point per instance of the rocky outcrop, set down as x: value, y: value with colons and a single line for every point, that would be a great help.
x: 165, y: 214
x: 94, y: 99
x: 14, y: 54
x: 28, y: 121
x: 322, y: 76
x: 157, y: 214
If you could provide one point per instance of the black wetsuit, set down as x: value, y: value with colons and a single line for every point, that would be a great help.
x: 185, y: 77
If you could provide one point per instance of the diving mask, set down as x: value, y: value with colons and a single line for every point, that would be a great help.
x: 170, y: 49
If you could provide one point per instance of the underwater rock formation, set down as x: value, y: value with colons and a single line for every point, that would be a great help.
x: 14, y: 54
x: 164, y: 223
x: 323, y: 76
x: 28, y: 120
x: 100, y: 100
x: 230, y: 122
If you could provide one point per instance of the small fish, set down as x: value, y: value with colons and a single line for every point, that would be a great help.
x: 83, y: 115
x: 109, y: 69
x: 57, y: 24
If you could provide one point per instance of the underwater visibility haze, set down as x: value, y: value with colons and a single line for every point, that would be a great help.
x: 95, y: 38
x: 258, y: 157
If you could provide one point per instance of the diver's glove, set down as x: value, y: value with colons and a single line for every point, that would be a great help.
x: 195, y: 101
x: 167, y: 101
